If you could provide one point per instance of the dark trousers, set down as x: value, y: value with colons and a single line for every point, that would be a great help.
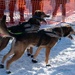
x: 63, y: 3
x: 2, y: 8
x: 36, y: 5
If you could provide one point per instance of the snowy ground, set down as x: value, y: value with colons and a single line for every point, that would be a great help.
x: 62, y: 59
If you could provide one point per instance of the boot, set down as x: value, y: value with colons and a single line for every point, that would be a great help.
x: 52, y: 17
x: 22, y: 18
x: 63, y: 18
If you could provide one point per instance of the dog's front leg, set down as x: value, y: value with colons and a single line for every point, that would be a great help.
x: 3, y: 43
x: 36, y: 54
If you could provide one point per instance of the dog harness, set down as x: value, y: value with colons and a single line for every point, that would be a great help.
x: 42, y: 34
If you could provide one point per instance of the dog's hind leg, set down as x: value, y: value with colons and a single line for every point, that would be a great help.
x: 11, y: 52
x: 47, y: 55
x: 3, y: 43
x: 5, y: 57
x: 18, y: 52
x: 36, y: 54
x: 48, y: 49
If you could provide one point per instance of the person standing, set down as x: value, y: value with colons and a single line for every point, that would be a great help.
x: 57, y: 5
x: 36, y: 5
x: 11, y: 10
x: 21, y: 7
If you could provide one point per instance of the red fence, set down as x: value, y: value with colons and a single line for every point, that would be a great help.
x: 48, y: 7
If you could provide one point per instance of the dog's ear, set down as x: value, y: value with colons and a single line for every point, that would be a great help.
x: 37, y: 13
x: 40, y: 14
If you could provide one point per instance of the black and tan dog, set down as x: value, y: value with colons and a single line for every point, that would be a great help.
x: 48, y: 40
x: 32, y: 25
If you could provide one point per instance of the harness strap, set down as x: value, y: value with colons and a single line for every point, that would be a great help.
x: 42, y: 32
x: 62, y: 34
x: 40, y: 40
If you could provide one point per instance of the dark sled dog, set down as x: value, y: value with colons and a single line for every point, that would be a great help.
x: 42, y: 39
x: 32, y: 25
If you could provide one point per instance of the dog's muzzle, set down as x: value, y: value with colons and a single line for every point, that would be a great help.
x: 70, y: 35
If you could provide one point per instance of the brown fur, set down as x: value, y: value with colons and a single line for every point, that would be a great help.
x: 3, y: 42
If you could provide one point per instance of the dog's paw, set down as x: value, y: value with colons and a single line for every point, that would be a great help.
x: 29, y: 54
x: 48, y: 65
x: 1, y: 66
x: 34, y: 61
x: 32, y: 56
x: 8, y: 72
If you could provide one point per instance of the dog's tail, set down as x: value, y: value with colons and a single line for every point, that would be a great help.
x: 3, y: 28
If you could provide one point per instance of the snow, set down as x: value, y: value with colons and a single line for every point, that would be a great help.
x: 62, y: 60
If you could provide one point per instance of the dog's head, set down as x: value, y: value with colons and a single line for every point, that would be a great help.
x: 40, y: 15
x: 62, y: 31
x: 36, y: 19
x: 65, y: 31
